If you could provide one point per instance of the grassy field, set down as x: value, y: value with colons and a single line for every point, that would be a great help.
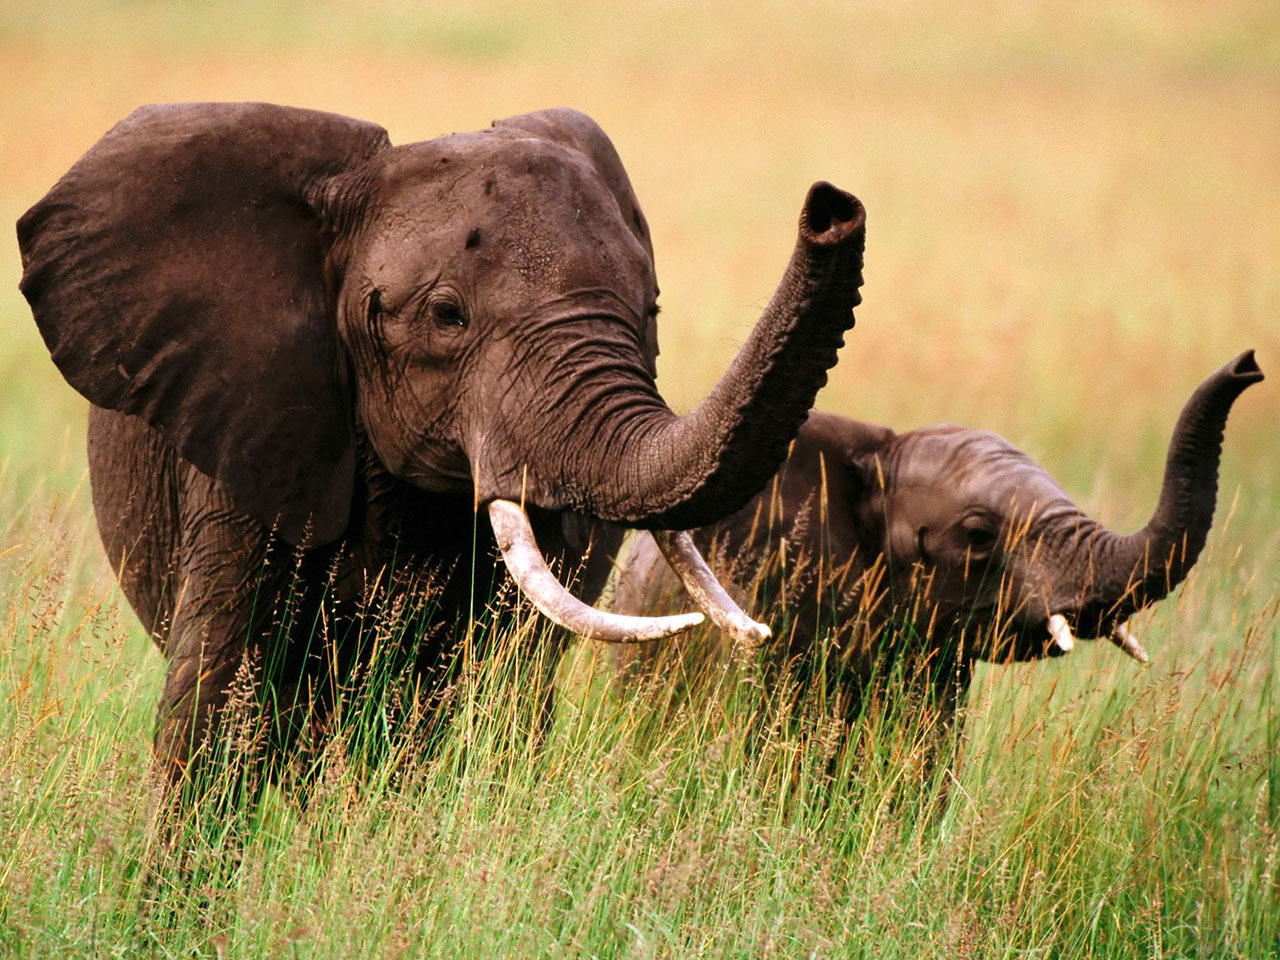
x: 1073, y: 217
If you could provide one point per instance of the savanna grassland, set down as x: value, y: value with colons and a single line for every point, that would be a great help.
x: 1073, y: 217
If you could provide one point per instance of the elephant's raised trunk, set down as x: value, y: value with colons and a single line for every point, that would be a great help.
x: 682, y: 472
x: 1143, y: 567
x: 618, y: 453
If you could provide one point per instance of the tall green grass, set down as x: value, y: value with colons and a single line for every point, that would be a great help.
x: 1095, y: 809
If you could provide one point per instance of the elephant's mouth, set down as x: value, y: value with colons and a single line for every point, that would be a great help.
x: 1057, y: 634
x: 1025, y: 638
x: 1089, y: 623
x: 529, y: 570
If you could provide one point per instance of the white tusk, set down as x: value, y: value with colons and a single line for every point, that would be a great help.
x: 1126, y: 640
x: 1060, y: 631
x: 529, y: 571
x: 678, y: 547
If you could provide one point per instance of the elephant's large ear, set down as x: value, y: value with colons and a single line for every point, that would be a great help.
x: 178, y: 273
x: 852, y: 442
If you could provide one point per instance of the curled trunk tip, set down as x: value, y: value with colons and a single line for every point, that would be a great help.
x: 1245, y: 368
x: 830, y: 215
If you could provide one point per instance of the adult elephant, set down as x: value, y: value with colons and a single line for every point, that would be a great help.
x: 312, y: 356
x: 923, y: 551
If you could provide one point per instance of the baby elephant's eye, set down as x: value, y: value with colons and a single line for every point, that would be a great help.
x: 447, y: 313
x: 980, y: 538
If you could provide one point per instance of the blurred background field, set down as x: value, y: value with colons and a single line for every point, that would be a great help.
x: 1073, y: 217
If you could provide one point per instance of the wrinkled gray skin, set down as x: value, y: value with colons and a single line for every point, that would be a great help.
x: 950, y: 532
x: 311, y: 349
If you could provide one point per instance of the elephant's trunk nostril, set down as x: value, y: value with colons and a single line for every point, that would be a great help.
x: 1245, y: 367
x: 830, y: 214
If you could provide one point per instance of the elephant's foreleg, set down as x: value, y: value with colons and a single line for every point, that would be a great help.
x: 223, y: 597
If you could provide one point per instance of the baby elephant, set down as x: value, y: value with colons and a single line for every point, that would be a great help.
x: 956, y: 541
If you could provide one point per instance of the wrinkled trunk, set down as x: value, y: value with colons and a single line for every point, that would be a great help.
x: 646, y: 467
x: 1143, y: 567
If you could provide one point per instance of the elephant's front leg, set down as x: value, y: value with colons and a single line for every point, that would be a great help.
x: 224, y: 597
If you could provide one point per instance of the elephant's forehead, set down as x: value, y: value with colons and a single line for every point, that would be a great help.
x: 974, y: 467
x: 494, y: 171
x: 519, y: 202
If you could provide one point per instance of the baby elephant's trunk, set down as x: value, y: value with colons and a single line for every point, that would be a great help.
x: 1145, y: 566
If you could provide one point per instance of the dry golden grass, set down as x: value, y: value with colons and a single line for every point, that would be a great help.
x: 1073, y: 213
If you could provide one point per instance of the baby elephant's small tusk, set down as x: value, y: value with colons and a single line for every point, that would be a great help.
x: 706, y: 591
x: 529, y: 571
x: 1060, y: 631
x: 1126, y: 640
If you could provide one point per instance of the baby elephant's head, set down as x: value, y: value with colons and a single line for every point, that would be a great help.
x: 991, y: 542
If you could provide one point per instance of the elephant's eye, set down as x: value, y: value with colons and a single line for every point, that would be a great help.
x: 980, y: 538
x: 447, y: 313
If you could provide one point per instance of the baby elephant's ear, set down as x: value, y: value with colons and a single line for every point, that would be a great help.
x: 859, y: 447
x: 178, y: 273
x: 862, y: 451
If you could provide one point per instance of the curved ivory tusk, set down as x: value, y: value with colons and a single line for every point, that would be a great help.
x: 1126, y: 640
x: 706, y: 591
x: 529, y: 571
x: 1060, y: 631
